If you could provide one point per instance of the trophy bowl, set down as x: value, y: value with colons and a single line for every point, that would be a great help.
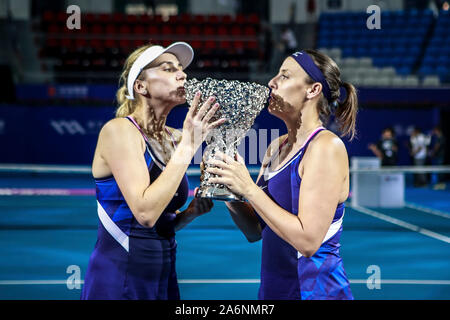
x: 240, y: 103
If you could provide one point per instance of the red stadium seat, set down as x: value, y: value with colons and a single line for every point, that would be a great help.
x: 213, y: 19
x: 181, y: 30
x: 240, y: 19
x: 253, y: 18
x: 53, y: 28
x: 110, y: 29
x: 125, y: 29
x: 89, y: 18
x: 97, y: 29
x: 210, y: 45
x: 118, y: 18
x: 104, y: 18
x: 139, y: 29
x: 131, y: 19
x: 249, y: 31
x: 196, y: 44
x: 194, y: 30
x: 209, y: 30
x: 48, y: 16
x: 166, y: 29
x: 227, y: 19
x: 124, y: 44
x: 238, y: 45
x: 222, y: 31
x: 198, y: 19
x: 66, y: 43
x: 139, y: 43
x: 61, y: 17
x: 225, y: 46
x: 184, y: 18
x: 152, y: 30
x: 81, y: 43
x: 158, y: 19
x: 236, y: 31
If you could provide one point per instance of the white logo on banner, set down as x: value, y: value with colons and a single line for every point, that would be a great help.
x: 71, y: 127
x: 74, y: 127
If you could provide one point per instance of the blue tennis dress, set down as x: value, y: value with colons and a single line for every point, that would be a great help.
x: 285, y: 273
x: 131, y: 261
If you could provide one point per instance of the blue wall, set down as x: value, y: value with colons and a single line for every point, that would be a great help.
x: 68, y: 134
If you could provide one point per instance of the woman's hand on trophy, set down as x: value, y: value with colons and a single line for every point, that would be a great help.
x: 197, y: 124
x: 232, y: 173
x: 199, y: 206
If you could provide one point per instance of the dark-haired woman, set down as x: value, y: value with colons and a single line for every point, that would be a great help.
x: 297, y: 204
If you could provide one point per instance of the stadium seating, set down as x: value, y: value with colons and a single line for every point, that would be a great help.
x: 402, y: 45
x: 104, y: 41
x: 436, y: 59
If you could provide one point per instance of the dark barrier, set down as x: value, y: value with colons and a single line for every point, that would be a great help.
x: 106, y: 94
x: 68, y: 135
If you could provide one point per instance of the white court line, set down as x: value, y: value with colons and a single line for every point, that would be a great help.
x: 427, y: 210
x: 402, y: 223
x: 224, y: 281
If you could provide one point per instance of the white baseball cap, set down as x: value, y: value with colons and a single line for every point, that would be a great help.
x: 181, y: 50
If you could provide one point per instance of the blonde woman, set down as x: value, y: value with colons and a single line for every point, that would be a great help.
x: 140, y: 168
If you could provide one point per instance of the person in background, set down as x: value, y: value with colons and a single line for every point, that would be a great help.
x: 387, y: 148
x: 289, y: 41
x: 418, y: 150
x: 437, y: 155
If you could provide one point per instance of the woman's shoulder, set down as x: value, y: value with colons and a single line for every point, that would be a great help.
x: 118, y: 129
x: 327, y: 142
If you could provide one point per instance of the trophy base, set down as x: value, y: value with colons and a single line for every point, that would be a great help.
x: 215, y: 193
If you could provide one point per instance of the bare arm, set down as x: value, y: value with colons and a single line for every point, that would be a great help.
x: 326, y: 162
x: 242, y: 213
x: 122, y: 150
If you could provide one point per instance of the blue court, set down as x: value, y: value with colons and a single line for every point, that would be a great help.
x: 387, y: 253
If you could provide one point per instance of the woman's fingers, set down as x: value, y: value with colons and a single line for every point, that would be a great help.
x: 218, y: 163
x: 216, y: 123
x: 215, y: 171
x: 204, y: 108
x: 226, y: 158
x: 239, y: 158
x: 221, y: 180
x: 210, y: 113
x: 195, y: 101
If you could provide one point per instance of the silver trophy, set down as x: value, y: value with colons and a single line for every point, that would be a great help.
x: 240, y: 103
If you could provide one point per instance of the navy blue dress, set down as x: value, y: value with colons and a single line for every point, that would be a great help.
x: 285, y: 273
x: 131, y: 261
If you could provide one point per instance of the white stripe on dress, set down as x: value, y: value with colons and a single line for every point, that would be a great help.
x: 112, y: 228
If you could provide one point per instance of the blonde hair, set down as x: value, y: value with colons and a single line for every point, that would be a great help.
x: 126, y: 106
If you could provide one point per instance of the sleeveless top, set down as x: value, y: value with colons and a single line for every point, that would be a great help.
x: 117, y: 217
x: 285, y: 273
x: 131, y: 261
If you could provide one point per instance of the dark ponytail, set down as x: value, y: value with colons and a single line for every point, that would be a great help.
x: 345, y: 111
